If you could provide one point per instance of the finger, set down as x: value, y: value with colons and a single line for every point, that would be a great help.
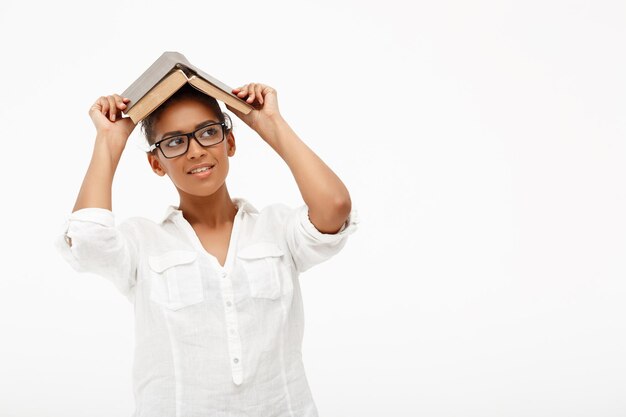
x: 268, y: 90
x: 258, y: 89
x: 95, y: 106
x: 112, y: 108
x: 251, y: 92
x: 104, y: 105
x: 119, y: 101
x: 242, y: 91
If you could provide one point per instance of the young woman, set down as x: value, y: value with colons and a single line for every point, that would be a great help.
x: 218, y: 309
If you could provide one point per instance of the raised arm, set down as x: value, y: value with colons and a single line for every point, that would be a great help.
x: 323, y: 192
x: 112, y: 132
x: 90, y: 240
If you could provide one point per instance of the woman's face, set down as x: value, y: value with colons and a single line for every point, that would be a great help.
x: 185, y: 116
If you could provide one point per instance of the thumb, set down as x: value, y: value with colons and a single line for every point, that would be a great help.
x: 127, y: 123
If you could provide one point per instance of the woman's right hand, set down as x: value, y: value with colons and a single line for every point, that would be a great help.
x: 106, y: 115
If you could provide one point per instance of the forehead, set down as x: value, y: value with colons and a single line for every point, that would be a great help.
x: 183, y: 116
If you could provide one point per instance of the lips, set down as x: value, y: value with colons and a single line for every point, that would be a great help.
x: 205, y: 165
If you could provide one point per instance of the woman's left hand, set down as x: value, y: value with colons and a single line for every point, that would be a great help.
x: 263, y: 98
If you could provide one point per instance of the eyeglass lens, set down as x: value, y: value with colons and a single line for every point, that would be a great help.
x: 207, y: 136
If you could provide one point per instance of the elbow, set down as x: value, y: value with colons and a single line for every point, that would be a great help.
x: 343, y: 206
x: 342, y: 209
x: 331, y: 219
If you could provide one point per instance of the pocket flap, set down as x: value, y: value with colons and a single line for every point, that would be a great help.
x: 161, y: 262
x: 260, y: 250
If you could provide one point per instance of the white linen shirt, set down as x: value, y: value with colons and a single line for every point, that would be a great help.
x: 210, y: 340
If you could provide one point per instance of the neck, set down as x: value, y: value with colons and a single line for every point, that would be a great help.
x: 212, y: 211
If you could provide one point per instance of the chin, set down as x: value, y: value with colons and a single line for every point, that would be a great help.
x: 200, y: 191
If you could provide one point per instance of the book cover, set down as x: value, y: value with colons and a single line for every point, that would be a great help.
x: 147, y: 93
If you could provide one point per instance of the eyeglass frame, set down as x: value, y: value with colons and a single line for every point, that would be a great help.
x: 226, y: 127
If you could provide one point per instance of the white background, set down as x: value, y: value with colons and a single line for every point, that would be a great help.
x: 481, y: 141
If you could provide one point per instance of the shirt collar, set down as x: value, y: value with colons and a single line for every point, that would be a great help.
x: 244, y: 206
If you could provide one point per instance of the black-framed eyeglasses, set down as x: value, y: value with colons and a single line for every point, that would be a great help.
x: 208, y: 135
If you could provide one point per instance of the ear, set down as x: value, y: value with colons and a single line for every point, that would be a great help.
x: 230, y: 140
x: 155, y: 164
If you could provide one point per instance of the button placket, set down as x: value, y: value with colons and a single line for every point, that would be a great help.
x: 230, y: 312
x: 234, y: 341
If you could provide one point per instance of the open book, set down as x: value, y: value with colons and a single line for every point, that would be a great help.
x: 166, y: 76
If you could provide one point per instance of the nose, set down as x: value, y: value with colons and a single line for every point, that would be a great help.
x: 195, y: 149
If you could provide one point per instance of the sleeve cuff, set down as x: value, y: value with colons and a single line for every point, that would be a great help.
x: 347, y: 228
x: 98, y: 215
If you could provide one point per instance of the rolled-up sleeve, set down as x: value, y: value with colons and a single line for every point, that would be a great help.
x: 309, y: 246
x: 100, y: 247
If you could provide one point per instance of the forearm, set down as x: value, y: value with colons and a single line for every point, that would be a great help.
x: 95, y: 190
x: 324, y: 193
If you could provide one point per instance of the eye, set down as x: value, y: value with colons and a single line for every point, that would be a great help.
x: 173, y: 142
x: 208, y: 131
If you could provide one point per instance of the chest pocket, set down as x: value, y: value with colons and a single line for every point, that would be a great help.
x: 267, y: 274
x: 176, y: 281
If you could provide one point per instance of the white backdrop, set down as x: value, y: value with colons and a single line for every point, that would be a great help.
x: 481, y: 141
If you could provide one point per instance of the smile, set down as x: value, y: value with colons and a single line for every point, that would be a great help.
x: 202, y: 172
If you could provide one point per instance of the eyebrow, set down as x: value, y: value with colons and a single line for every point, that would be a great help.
x: 199, y: 125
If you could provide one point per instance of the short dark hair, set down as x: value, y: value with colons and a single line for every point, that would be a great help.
x: 186, y: 91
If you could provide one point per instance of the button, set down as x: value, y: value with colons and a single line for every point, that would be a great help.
x: 224, y: 274
x: 228, y: 303
x: 232, y: 331
x: 236, y: 360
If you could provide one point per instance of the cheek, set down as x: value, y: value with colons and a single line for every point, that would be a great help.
x: 222, y: 153
x: 170, y: 167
